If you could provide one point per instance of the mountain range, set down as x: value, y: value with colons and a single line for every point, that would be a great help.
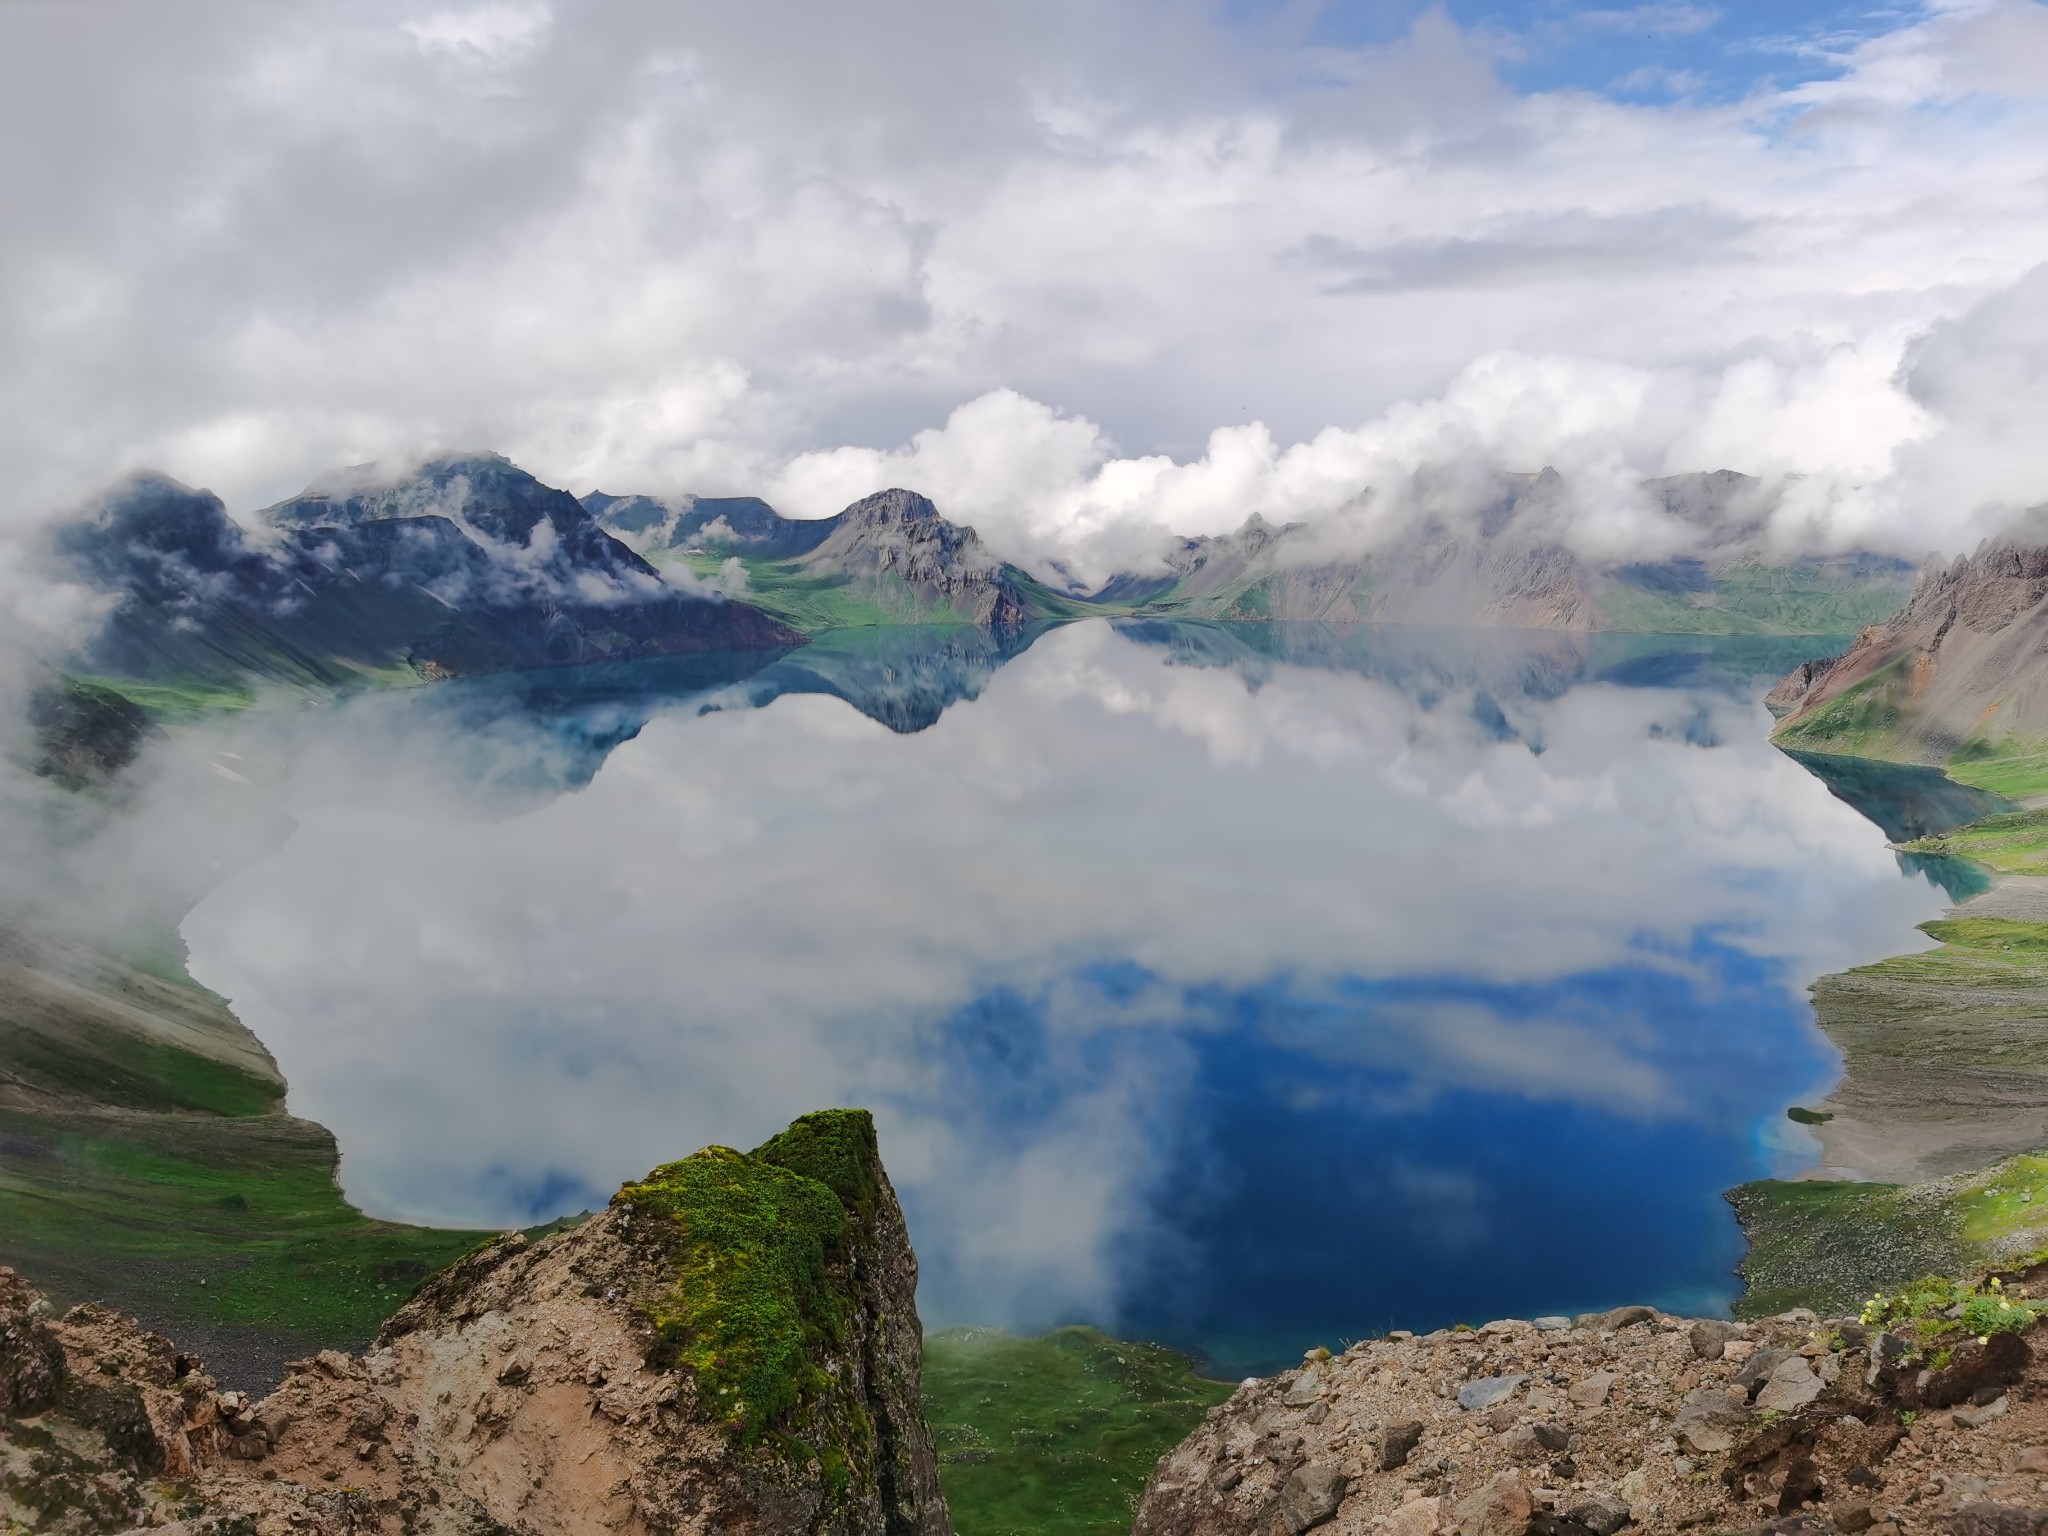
x: 466, y: 564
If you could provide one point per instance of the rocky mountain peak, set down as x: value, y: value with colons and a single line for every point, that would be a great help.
x: 732, y: 1345
x: 892, y: 507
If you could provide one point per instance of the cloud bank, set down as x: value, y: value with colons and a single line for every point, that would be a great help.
x: 1083, y: 273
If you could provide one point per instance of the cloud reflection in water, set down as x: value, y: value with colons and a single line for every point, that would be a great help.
x: 1198, y: 990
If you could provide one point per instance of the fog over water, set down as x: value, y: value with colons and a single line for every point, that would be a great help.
x: 1243, y: 986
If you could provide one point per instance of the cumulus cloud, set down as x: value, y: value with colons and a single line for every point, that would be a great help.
x: 1078, y: 298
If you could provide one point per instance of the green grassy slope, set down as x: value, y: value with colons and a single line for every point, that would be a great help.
x: 146, y: 1160
x: 1830, y: 1245
x: 1752, y: 598
x: 1054, y: 1436
x: 2013, y: 844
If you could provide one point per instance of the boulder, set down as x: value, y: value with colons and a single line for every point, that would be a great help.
x: 1710, y: 1418
x: 1591, y: 1392
x: 1710, y: 1335
x: 1482, y: 1394
x: 1793, y: 1385
x: 1397, y: 1441
x: 1501, y: 1508
x: 1308, y: 1498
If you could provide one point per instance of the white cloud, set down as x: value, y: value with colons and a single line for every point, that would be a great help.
x: 807, y: 251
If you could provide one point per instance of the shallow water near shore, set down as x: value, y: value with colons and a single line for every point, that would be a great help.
x: 1243, y: 987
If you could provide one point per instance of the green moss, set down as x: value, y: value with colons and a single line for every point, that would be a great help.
x: 1054, y: 1436
x: 760, y: 1243
x: 836, y: 1147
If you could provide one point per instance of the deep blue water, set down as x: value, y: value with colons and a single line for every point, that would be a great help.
x: 1245, y: 987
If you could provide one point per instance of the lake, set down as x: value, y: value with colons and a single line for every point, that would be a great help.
x: 1244, y: 987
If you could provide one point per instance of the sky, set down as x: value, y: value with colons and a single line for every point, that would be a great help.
x: 1086, y: 273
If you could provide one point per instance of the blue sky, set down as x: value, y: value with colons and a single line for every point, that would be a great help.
x: 1665, y: 49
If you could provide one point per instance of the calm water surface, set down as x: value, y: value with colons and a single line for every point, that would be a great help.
x: 1245, y: 987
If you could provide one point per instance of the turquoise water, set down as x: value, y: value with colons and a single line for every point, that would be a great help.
x: 1242, y: 986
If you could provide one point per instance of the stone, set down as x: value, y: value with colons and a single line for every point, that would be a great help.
x: 1851, y: 1518
x: 1397, y: 1440
x: 1710, y: 1418
x: 1501, y: 1508
x: 1602, y: 1514
x: 1628, y: 1317
x: 1308, y: 1386
x: 1756, y: 1370
x: 1552, y: 1324
x: 1792, y: 1385
x: 31, y: 1360
x: 1978, y: 1417
x: 1309, y: 1498
x: 1477, y: 1396
x: 2032, y: 1458
x: 1709, y: 1336
x: 1503, y: 1326
x: 1997, y: 1520
x: 1418, y: 1517
x: 1591, y: 1392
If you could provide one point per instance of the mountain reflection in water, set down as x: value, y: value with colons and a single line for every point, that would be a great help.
x: 1242, y: 986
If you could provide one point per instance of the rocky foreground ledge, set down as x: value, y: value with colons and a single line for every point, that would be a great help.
x: 732, y: 1346
x: 1633, y: 1421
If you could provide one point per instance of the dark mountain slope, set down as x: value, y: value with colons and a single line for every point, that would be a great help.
x: 465, y: 565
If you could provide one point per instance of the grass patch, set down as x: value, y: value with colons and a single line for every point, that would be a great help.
x: 1827, y: 1245
x: 1872, y: 719
x: 2013, y: 844
x: 228, y: 1223
x: 177, y: 699
x: 2016, y: 766
x: 1752, y: 598
x: 1054, y: 1436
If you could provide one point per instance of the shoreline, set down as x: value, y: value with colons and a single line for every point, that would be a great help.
x: 1934, y: 1081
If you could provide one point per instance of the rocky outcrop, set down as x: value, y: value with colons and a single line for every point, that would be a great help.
x: 1958, y: 666
x: 896, y: 551
x: 461, y: 565
x: 731, y: 1346
x: 1629, y: 1420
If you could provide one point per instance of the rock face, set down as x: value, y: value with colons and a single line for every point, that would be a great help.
x: 897, y: 547
x: 1959, y: 665
x: 891, y: 555
x: 465, y: 564
x: 1623, y: 1420
x: 732, y: 1346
